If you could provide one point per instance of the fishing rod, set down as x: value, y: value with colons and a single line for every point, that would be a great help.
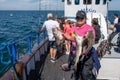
x: 39, y: 12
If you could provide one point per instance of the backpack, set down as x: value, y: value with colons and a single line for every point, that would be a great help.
x: 97, y: 33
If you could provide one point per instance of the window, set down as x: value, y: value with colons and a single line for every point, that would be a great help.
x: 63, y: 0
x: 104, y: 1
x: 87, y: 1
x: 77, y: 2
x: 97, y: 2
x: 69, y: 2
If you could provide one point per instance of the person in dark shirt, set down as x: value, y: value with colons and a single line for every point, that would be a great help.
x: 117, y: 26
x: 96, y: 26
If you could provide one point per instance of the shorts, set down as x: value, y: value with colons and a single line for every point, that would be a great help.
x: 52, y: 44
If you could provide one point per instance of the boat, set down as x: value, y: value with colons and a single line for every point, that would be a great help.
x: 35, y: 63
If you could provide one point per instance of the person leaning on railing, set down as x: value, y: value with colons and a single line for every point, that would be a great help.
x: 49, y: 25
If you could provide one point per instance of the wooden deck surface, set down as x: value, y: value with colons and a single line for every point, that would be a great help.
x: 50, y: 71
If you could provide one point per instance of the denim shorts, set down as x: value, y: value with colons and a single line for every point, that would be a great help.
x: 52, y: 44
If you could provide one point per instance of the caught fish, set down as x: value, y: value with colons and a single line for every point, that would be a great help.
x: 88, y: 42
x: 58, y: 36
x: 79, y: 40
x: 83, y: 45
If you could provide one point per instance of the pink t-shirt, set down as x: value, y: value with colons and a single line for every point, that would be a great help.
x: 80, y: 31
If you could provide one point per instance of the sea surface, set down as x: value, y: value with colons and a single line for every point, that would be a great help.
x: 110, y: 15
x: 17, y: 24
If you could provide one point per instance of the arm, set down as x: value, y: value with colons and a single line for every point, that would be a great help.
x: 67, y: 36
x: 42, y: 28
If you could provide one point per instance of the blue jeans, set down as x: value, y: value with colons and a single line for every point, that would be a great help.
x: 71, y: 57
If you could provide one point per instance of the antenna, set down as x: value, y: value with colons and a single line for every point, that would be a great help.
x: 39, y: 12
x: 39, y: 5
x: 86, y: 4
x: 107, y: 7
x: 57, y: 8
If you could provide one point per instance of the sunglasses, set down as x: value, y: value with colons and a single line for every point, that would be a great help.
x: 79, y: 18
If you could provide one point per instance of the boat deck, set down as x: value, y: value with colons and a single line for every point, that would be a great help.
x: 110, y: 66
x: 47, y: 70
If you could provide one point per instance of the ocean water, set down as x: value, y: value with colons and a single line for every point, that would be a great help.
x: 110, y: 15
x: 17, y: 24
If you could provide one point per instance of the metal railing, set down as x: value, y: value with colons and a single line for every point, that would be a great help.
x: 9, y: 53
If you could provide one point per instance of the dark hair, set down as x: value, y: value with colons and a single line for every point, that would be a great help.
x: 95, y: 21
x: 115, y: 14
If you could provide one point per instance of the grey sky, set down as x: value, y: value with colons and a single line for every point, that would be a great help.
x: 114, y: 5
x: 34, y: 4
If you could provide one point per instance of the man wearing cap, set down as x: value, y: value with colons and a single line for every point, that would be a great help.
x: 49, y: 25
x: 81, y: 28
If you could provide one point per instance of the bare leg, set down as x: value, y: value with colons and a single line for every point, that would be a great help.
x: 67, y: 47
x: 51, y: 53
x: 54, y: 53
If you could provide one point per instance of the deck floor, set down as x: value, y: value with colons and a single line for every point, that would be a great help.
x: 46, y: 70
x: 50, y: 71
x: 53, y: 71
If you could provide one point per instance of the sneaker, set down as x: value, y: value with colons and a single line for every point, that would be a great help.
x: 67, y: 53
x: 52, y: 60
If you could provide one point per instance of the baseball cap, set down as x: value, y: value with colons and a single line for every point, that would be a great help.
x: 80, y: 15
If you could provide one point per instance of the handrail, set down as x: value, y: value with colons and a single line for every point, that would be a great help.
x: 11, y: 48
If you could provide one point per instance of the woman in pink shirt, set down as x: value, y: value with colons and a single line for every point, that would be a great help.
x: 81, y: 28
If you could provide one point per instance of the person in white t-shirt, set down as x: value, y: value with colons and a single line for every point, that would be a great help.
x: 115, y: 16
x: 49, y: 25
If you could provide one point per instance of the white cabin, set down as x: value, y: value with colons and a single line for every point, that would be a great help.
x: 93, y: 6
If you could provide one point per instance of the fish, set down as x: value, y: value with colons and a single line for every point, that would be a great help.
x: 79, y: 40
x: 88, y: 42
x: 84, y: 45
x: 58, y: 36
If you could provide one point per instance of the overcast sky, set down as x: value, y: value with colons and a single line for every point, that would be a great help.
x: 34, y: 4
x: 114, y: 5
x: 30, y: 4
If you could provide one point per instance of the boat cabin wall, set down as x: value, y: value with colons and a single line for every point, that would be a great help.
x: 93, y: 6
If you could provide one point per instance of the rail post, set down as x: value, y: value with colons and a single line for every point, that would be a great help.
x: 14, y: 52
x: 29, y: 45
x: 37, y: 39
